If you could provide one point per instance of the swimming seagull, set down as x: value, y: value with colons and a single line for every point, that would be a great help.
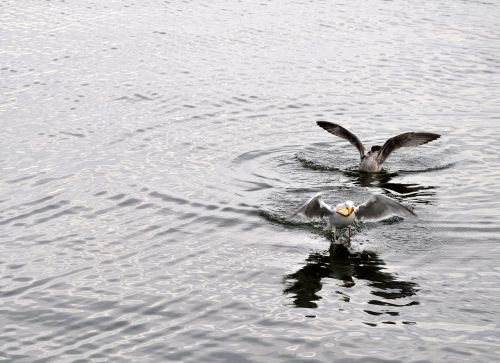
x: 373, y: 159
x: 376, y: 208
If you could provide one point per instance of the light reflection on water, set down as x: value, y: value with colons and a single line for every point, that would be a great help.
x: 152, y: 152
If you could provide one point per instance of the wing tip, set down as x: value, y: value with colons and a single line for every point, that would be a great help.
x: 412, y: 214
x: 429, y: 136
x: 325, y: 124
x: 407, y: 211
x: 433, y: 136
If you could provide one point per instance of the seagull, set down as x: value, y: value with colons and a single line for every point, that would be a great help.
x: 376, y: 208
x: 372, y: 160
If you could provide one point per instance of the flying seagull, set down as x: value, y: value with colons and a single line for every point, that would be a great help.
x: 373, y: 159
x: 376, y: 208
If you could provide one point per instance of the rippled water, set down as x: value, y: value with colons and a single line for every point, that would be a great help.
x: 152, y: 152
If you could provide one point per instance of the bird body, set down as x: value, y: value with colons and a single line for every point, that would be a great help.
x: 372, y: 160
x: 343, y: 215
x: 369, y: 162
x: 377, y: 207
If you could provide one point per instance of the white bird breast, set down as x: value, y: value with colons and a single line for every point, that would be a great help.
x: 340, y: 221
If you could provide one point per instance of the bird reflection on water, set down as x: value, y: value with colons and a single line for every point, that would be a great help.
x: 383, y: 179
x: 347, y: 267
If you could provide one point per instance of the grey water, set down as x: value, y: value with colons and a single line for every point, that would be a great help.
x: 152, y: 152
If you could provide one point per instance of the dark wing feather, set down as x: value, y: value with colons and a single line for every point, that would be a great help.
x: 314, y: 207
x: 339, y: 131
x: 408, y: 139
x: 380, y: 207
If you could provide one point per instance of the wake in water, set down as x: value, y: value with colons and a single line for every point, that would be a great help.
x: 282, y: 177
x: 328, y: 157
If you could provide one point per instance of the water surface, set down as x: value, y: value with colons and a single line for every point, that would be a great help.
x: 153, y: 151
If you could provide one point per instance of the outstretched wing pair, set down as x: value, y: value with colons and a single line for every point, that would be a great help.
x: 408, y: 139
x: 377, y: 207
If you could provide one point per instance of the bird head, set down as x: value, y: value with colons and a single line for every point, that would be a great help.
x: 350, y: 206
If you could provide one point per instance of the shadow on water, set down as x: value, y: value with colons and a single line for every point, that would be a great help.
x: 340, y: 264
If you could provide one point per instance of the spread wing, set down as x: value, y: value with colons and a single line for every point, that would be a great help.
x: 339, y: 131
x: 379, y: 207
x: 314, y: 207
x: 408, y: 139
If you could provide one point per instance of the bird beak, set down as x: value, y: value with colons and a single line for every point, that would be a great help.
x: 345, y: 211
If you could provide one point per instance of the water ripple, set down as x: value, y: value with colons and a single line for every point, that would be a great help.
x: 153, y: 151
